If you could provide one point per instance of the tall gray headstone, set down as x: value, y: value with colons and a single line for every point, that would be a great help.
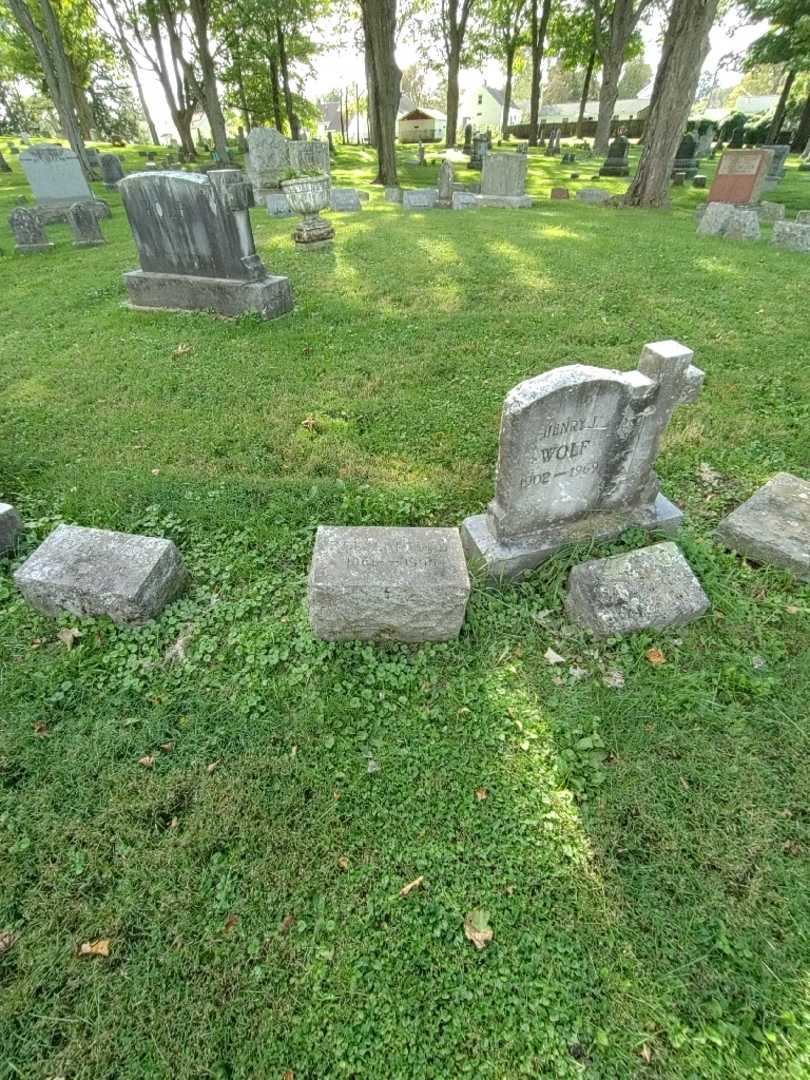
x: 309, y: 155
x: 577, y: 459
x: 268, y: 160
x: 504, y: 174
x: 29, y: 233
x: 111, y: 170
x: 196, y: 245
x: 57, y: 181
x: 446, y: 179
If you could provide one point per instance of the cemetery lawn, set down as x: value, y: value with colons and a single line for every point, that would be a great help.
x: 633, y: 824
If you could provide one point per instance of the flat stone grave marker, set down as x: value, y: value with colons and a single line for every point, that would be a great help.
x: 85, y: 224
x: 29, y: 234
x: 196, y: 247
x: 370, y: 583
x: 464, y: 200
x: 560, y: 193
x: 11, y: 528
x: 393, y: 194
x: 420, y: 198
x: 576, y: 460
x: 97, y: 572
x: 344, y: 200
x: 792, y: 236
x: 773, y: 526
x: 769, y: 212
x: 651, y: 588
x: 740, y: 176
x: 741, y: 225
x: 593, y: 195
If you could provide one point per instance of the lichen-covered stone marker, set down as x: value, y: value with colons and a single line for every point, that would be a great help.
x: 577, y: 459
x: 371, y: 583
x: 97, y: 572
x: 648, y: 589
x: 11, y: 528
x: 773, y: 526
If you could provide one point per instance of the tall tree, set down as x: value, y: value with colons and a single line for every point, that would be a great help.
x: 506, y: 23
x: 614, y: 27
x: 111, y: 14
x: 538, y: 25
x: 41, y: 26
x: 573, y: 42
x: 455, y: 15
x: 379, y: 29
x: 685, y: 47
x: 786, y: 43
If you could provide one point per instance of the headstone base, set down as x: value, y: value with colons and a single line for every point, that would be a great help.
x: 619, y: 169
x: 51, y: 213
x: 31, y: 249
x: 502, y: 562
x: 179, y: 292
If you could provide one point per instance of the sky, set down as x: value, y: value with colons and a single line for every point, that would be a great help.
x: 343, y: 66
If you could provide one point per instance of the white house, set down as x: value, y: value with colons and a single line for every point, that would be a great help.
x: 568, y: 111
x: 482, y: 106
x: 429, y: 125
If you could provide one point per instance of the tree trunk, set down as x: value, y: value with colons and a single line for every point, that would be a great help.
x: 284, y: 69
x: 779, y: 115
x: 686, y: 44
x: 586, y: 89
x: 608, y: 94
x: 201, y: 16
x: 507, y: 92
x: 372, y: 135
x: 803, y: 134
x: 453, y: 65
x: 538, y: 27
x: 147, y: 115
x: 181, y: 109
x: 379, y: 28
x: 624, y: 19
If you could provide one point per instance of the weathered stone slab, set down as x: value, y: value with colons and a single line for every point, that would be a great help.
x: 560, y: 193
x: 769, y: 212
x: 776, y: 171
x: 11, y: 528
x: 617, y: 163
x: 196, y: 247
x: 577, y: 459
x: 85, y: 224
x: 55, y: 175
x: 791, y: 236
x: 464, y: 200
x: 446, y: 181
x: 773, y: 527
x: 393, y: 194
x: 803, y: 217
x: 504, y: 174
x: 740, y: 176
x: 29, y: 235
x: 97, y: 572
x: 420, y: 198
x: 387, y: 584
x: 278, y: 205
x: 505, y: 202
x: 714, y: 218
x: 742, y: 225
x: 111, y: 170
x: 345, y: 200
x: 649, y: 589
x: 309, y: 155
x: 593, y: 195
x: 268, y: 160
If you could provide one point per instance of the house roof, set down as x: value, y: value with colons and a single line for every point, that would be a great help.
x: 625, y: 109
x: 423, y: 114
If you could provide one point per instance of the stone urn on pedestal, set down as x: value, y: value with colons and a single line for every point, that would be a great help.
x: 308, y: 195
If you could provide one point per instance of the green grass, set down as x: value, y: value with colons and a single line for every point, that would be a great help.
x: 643, y: 852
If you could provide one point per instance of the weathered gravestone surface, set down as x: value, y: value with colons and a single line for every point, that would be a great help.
x: 803, y: 217
x: 97, y: 572
x: 776, y: 171
x: 29, y: 234
x: 714, y: 217
x: 387, y: 584
x: 85, y: 224
x: 278, y: 205
x: 268, y: 161
x: 345, y: 200
x: 446, y: 180
x: 420, y: 198
x: 740, y: 176
x: 465, y: 200
x: 770, y: 212
x: 618, y: 161
x: 699, y: 180
x: 503, y: 180
x: 111, y: 171
x: 741, y: 225
x: 577, y: 459
x: 704, y: 142
x: 57, y: 181
x: 393, y: 194
x: 792, y: 236
x: 11, y: 528
x: 196, y: 245
x: 593, y: 195
x: 480, y: 149
x: 307, y: 156
x: 773, y: 527
x: 686, y: 156
x: 560, y: 193
x: 651, y: 588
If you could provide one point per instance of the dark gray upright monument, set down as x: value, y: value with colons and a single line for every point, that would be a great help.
x: 196, y: 245
x: 686, y: 157
x: 111, y: 170
x: 618, y: 162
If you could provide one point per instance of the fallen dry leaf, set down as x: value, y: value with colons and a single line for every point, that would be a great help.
x: 655, y: 656
x: 343, y: 862
x: 173, y: 823
x: 709, y: 476
x: 310, y: 423
x: 67, y: 635
x: 147, y: 761
x: 406, y: 890
x: 233, y: 920
x: 552, y: 657
x: 481, y: 793
x: 176, y: 652
x: 99, y: 947
x: 791, y: 609
x: 646, y: 1054
x: 7, y: 940
x: 183, y: 349
x: 477, y: 928
x: 167, y: 747
x: 613, y: 680
x: 289, y: 1075
x: 210, y: 768
x: 155, y: 472
x: 41, y: 730
x: 287, y: 924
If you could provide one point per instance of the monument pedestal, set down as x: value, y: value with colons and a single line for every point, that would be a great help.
x: 182, y: 292
x: 503, y: 561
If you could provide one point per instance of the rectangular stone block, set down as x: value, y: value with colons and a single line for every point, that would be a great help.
x: 649, y: 589
x: 345, y: 200
x: 55, y: 175
x: 372, y: 583
x: 504, y: 174
x: 278, y: 205
x: 773, y: 526
x: 269, y: 298
x: 791, y: 236
x: 11, y: 528
x: 420, y: 198
x: 97, y: 572
x: 593, y: 195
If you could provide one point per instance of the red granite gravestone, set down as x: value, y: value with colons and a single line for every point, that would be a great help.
x: 740, y: 176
